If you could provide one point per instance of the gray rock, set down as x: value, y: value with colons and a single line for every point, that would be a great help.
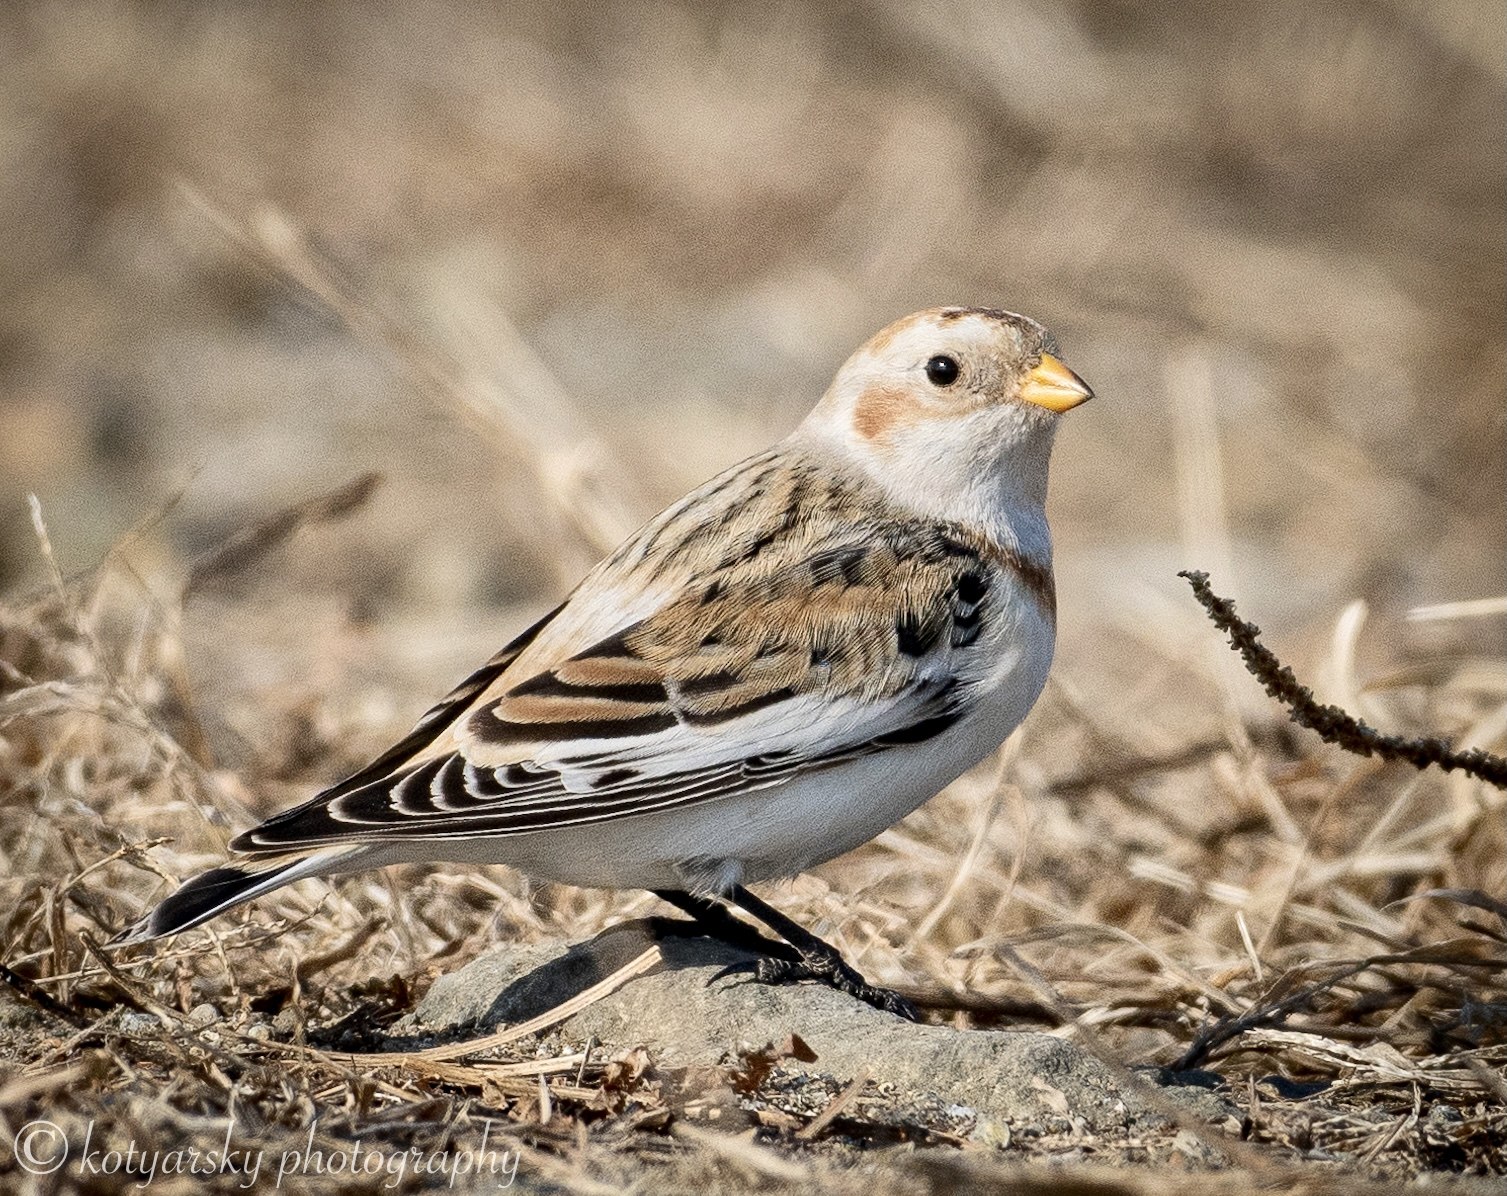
x: 20, y: 1015
x: 686, y: 1017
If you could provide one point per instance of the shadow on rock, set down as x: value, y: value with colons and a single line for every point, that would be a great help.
x: 688, y: 1015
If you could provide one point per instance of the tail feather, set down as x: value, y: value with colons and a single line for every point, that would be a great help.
x: 212, y: 893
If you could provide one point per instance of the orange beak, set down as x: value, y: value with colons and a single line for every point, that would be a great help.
x: 1053, y: 386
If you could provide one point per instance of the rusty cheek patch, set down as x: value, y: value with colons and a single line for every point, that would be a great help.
x: 880, y: 408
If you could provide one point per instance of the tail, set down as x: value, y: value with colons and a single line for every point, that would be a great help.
x: 212, y: 893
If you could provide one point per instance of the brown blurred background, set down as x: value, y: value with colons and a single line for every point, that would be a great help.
x: 546, y: 266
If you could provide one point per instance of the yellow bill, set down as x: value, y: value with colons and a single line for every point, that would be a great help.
x: 1053, y: 386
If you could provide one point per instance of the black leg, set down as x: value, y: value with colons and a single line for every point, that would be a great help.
x: 816, y: 960
x: 714, y: 919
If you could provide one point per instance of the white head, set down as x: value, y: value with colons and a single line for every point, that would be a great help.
x: 953, y: 409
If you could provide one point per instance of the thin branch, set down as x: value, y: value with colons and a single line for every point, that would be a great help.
x: 1330, y: 723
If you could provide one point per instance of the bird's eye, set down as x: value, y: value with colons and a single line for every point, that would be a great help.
x: 942, y: 370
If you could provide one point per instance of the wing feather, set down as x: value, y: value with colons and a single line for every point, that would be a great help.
x: 450, y: 798
x: 803, y: 633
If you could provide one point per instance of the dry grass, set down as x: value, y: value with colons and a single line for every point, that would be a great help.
x: 545, y: 271
x: 1328, y: 944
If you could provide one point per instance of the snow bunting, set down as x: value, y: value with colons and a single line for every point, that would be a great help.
x: 776, y: 668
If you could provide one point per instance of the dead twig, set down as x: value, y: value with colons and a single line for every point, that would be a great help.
x: 42, y: 999
x: 818, y: 1124
x: 1330, y: 723
x: 1275, y: 1010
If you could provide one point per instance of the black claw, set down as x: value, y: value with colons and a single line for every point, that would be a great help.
x: 746, y: 968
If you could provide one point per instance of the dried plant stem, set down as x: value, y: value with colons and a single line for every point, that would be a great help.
x: 1275, y: 1010
x: 251, y: 543
x: 1330, y: 723
x: 575, y: 474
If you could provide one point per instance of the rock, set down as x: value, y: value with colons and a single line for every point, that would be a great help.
x: 686, y: 1018
x: 21, y: 1015
x: 133, y: 1022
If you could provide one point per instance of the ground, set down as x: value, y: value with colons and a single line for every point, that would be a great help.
x: 541, y: 269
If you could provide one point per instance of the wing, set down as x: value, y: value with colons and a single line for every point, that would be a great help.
x: 829, y: 639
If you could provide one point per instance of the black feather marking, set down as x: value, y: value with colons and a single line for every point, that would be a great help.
x: 839, y: 563
x: 708, y: 683
x: 769, y: 762
x: 968, y: 618
x: 483, y: 783
x: 615, y: 646
x: 497, y: 731
x: 549, y: 685
x: 915, y: 637
x: 616, y: 776
x: 966, y: 625
x: 447, y: 790
x: 711, y: 717
x: 521, y: 776
x: 293, y: 826
x: 953, y: 547
x: 972, y: 587
x: 758, y: 544
x: 920, y: 732
x: 200, y: 898
x: 414, y: 794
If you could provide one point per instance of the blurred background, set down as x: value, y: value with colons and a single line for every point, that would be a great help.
x: 1271, y: 233
x: 547, y: 266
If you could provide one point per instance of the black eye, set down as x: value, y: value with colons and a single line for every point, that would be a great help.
x: 942, y: 370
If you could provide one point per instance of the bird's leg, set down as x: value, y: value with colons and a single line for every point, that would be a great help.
x: 815, y: 959
x: 713, y: 919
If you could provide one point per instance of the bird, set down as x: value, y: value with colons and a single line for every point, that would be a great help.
x: 769, y: 673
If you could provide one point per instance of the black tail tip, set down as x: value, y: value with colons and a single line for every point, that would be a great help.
x: 197, y: 900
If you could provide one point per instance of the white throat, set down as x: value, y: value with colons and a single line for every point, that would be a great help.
x: 986, y: 469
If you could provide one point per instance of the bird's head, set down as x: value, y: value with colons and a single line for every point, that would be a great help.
x: 952, y: 399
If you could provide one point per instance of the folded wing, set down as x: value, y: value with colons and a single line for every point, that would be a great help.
x: 798, y: 657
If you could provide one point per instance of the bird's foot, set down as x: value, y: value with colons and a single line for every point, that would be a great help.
x: 824, y: 967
